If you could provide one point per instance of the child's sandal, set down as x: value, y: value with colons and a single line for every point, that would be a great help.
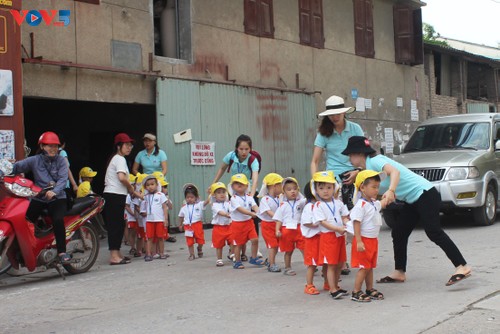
x: 200, y: 253
x: 289, y: 272
x: 359, y: 296
x: 375, y: 294
x: 310, y: 289
x: 244, y: 257
x: 238, y: 265
x: 191, y: 257
x: 219, y: 263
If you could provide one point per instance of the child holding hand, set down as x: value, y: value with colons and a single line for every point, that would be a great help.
x: 365, y: 223
x: 331, y: 214
x: 221, y: 220
x: 269, y: 203
x: 243, y: 210
x: 287, y: 218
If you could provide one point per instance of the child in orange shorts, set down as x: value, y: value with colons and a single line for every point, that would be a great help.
x: 221, y: 220
x: 287, y: 218
x: 310, y: 232
x: 269, y: 203
x: 365, y: 225
x: 243, y: 210
x: 191, y: 219
x: 331, y: 214
x: 154, y: 208
x: 132, y: 206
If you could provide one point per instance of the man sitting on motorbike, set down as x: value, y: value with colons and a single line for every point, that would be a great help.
x: 48, y: 169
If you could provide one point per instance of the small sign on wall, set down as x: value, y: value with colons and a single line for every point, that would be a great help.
x: 202, y: 153
x: 7, y: 144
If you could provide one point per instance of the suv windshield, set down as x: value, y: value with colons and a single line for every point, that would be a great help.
x: 450, y: 136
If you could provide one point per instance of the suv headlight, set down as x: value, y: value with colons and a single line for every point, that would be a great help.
x: 462, y: 173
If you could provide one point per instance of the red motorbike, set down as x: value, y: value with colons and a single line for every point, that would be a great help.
x: 32, y: 244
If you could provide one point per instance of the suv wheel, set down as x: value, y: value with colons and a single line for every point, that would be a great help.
x: 485, y: 215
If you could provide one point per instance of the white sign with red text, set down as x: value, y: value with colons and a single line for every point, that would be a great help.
x: 202, y: 153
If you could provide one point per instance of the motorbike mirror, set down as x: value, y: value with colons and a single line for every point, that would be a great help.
x: 6, y: 167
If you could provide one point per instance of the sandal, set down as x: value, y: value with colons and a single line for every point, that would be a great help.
x: 138, y: 254
x: 337, y: 294
x: 243, y: 258
x: 375, y: 294
x: 238, y: 265
x: 274, y: 268
x: 359, y: 296
x: 326, y: 287
x: 256, y: 261
x: 191, y: 257
x: 200, y: 253
x: 132, y: 251
x: 310, y: 289
x: 171, y: 239
x: 219, y: 263
x: 346, y: 270
x: 148, y: 258
x: 289, y: 272
x: 231, y: 257
x: 164, y: 256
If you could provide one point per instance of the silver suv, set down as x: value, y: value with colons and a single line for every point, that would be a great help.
x: 460, y: 155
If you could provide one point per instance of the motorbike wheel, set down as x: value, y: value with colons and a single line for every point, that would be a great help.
x: 84, y: 249
x: 4, y: 259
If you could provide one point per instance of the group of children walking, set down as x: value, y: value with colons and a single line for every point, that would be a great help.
x: 315, y: 222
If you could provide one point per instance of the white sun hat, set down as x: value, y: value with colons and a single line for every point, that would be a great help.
x: 335, y: 105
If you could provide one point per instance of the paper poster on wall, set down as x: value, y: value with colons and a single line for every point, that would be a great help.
x: 360, y: 104
x: 6, y: 93
x: 368, y: 103
x: 202, y: 153
x: 413, y: 110
x: 389, y: 140
x: 399, y: 102
x: 7, y: 148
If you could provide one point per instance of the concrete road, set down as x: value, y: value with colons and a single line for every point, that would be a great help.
x: 178, y: 296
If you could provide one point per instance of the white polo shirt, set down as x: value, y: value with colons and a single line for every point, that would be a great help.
x: 289, y: 213
x: 192, y: 213
x: 218, y: 207
x: 368, y: 213
x: 332, y: 212
x: 133, y: 203
x: 308, y: 218
x: 246, y: 202
x: 152, y: 205
x: 268, y: 203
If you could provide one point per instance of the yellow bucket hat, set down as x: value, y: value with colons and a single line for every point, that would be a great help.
x: 140, y: 177
x: 366, y: 174
x: 161, y: 178
x: 324, y: 176
x: 240, y: 178
x: 217, y: 185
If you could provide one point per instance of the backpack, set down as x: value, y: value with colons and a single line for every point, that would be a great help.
x: 253, y: 155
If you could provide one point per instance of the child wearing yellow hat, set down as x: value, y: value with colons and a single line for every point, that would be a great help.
x: 221, y: 221
x: 287, y: 218
x: 269, y: 203
x: 365, y: 225
x: 331, y: 214
x: 243, y: 210
x: 86, y: 177
x: 132, y: 205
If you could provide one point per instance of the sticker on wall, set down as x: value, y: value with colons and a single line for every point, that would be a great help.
x: 399, y: 102
x: 6, y: 93
x: 413, y: 111
x: 202, y: 153
x: 7, y: 150
x: 354, y: 93
x: 368, y: 103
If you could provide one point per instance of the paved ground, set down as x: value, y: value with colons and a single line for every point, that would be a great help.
x: 177, y: 296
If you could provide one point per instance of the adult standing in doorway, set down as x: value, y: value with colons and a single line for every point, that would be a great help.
x: 333, y: 134
x: 241, y: 161
x: 152, y: 158
x: 421, y: 204
x: 116, y: 188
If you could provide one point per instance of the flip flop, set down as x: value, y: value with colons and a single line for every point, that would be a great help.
x: 389, y: 279
x: 457, y: 278
x: 123, y: 261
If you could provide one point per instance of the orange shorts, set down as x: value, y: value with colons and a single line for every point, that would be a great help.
x: 242, y: 231
x: 198, y: 234
x: 221, y: 236
x: 268, y: 230
x: 155, y: 230
x: 368, y: 258
x: 290, y: 239
x: 141, y: 233
x: 132, y: 225
x: 331, y: 249
x: 311, y: 250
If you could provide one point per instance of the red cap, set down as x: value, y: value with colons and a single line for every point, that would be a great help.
x: 123, y: 138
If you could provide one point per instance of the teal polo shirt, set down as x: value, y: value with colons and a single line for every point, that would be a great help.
x: 150, y: 163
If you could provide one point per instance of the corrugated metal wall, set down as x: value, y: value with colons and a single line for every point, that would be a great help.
x: 282, y: 127
x: 477, y: 108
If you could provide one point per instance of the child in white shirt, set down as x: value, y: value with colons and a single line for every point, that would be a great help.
x: 221, y: 220
x: 191, y: 219
x: 287, y: 218
x: 331, y: 214
x: 269, y: 203
x: 365, y: 223
x: 154, y: 208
